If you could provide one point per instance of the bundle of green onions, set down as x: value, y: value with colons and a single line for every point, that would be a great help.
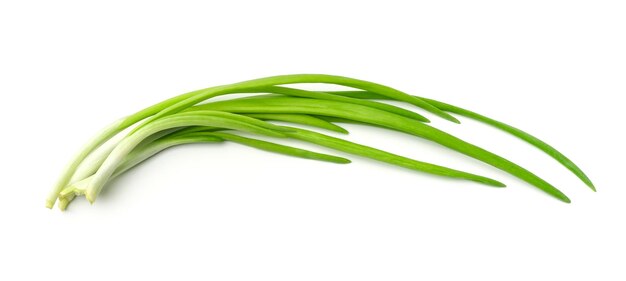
x: 193, y: 118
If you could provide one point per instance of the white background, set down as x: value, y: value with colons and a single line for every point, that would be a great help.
x: 227, y: 212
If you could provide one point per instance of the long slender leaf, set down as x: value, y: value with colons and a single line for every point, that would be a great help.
x: 382, y: 118
x: 538, y: 143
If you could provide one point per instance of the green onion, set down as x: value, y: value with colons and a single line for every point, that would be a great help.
x: 188, y: 118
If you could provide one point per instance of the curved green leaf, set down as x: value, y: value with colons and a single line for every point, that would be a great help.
x: 384, y: 119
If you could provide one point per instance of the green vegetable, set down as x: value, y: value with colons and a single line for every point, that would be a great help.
x: 188, y: 118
